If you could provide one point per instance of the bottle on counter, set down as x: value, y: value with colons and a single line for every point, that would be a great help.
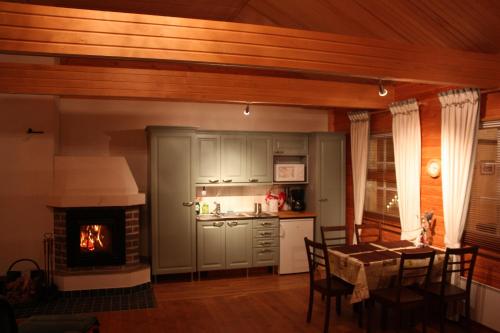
x: 197, y: 208
x: 204, y: 208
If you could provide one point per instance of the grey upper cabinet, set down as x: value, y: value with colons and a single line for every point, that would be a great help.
x: 290, y: 144
x: 208, y: 162
x: 239, y: 244
x: 326, y: 190
x: 233, y: 155
x: 171, y: 193
x: 233, y: 158
x: 259, y: 159
x: 211, y: 245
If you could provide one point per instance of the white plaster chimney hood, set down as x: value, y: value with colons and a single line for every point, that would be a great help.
x: 94, y: 181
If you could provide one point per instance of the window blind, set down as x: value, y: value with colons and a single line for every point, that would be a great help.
x: 381, y: 200
x: 482, y: 227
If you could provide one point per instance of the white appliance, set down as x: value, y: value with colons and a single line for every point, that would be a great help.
x: 293, y: 258
x: 289, y: 172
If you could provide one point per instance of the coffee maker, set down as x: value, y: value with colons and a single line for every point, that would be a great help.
x: 297, y: 202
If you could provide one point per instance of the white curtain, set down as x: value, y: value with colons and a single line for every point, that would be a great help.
x: 360, y: 127
x: 407, y: 152
x: 459, y: 127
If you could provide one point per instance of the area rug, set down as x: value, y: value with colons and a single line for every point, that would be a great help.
x: 84, y: 301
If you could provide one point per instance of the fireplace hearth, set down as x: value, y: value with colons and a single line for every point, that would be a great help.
x: 95, y: 236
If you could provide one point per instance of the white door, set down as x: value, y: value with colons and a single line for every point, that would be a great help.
x: 293, y: 258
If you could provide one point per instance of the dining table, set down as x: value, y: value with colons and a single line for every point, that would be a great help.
x: 375, y: 265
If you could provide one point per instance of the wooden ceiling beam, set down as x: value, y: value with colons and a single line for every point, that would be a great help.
x: 31, y: 29
x: 92, y: 81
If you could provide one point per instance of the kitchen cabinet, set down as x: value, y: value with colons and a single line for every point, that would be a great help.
x: 170, y: 201
x: 266, y: 242
x: 290, y: 144
x: 239, y: 244
x: 211, y: 249
x: 259, y: 159
x: 224, y: 158
x: 233, y: 159
x: 224, y: 244
x: 326, y: 191
x: 208, y: 158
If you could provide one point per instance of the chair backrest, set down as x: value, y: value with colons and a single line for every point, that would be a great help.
x: 7, y: 320
x: 317, y: 256
x: 367, y: 232
x: 334, y: 236
x: 460, y: 260
x: 415, y: 273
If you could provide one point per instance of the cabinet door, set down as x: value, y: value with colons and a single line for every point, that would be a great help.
x: 290, y: 144
x: 233, y: 159
x: 260, y: 159
x: 173, y: 233
x: 208, y: 158
x: 331, y: 182
x: 211, y: 245
x: 239, y: 244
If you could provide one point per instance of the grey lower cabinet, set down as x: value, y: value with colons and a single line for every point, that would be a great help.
x: 173, y: 233
x: 224, y: 244
x: 326, y: 191
x: 266, y: 247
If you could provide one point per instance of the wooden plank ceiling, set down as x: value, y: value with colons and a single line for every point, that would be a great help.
x: 459, y: 24
x: 395, y: 40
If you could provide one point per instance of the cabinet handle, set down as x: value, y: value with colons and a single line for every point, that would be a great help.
x: 218, y: 224
x: 266, y: 233
x: 265, y: 223
x: 253, y: 180
x: 265, y: 251
x: 232, y: 223
x: 213, y: 181
x: 188, y: 203
x: 323, y: 200
x: 227, y: 180
x: 278, y: 152
x: 264, y: 243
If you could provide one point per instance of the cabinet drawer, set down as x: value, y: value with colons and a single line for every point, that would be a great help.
x: 267, y: 256
x: 265, y: 223
x: 264, y: 242
x: 265, y: 233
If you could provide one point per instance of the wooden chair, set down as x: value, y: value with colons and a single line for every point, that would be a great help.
x: 402, y: 296
x: 317, y: 256
x: 447, y: 292
x: 334, y: 236
x: 368, y: 233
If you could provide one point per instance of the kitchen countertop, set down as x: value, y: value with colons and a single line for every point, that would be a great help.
x: 289, y: 214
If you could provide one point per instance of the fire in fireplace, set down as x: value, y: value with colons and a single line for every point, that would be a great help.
x: 95, y: 236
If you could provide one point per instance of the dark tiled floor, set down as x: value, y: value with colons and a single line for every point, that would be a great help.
x: 92, y: 301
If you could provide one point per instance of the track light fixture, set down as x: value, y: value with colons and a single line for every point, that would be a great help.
x: 246, y: 112
x: 381, y: 89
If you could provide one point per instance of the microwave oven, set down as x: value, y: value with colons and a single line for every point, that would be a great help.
x: 289, y: 172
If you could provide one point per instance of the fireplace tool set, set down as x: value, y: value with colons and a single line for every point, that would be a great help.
x: 48, y: 252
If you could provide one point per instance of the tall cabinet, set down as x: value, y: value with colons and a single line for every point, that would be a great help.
x: 171, y: 153
x: 326, y: 189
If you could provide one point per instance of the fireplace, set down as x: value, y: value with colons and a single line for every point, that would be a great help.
x: 95, y: 236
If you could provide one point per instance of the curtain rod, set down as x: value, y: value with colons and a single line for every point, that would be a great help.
x: 489, y: 91
x: 389, y: 110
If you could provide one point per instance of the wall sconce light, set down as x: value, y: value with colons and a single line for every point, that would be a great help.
x: 433, y: 168
x: 381, y: 89
x: 246, y: 112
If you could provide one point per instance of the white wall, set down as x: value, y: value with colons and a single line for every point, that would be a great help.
x: 25, y: 175
x: 484, y: 304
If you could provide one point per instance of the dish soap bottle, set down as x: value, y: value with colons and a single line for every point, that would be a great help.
x: 197, y: 207
x: 204, y: 208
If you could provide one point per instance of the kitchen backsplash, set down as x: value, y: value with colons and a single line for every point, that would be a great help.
x: 236, y: 198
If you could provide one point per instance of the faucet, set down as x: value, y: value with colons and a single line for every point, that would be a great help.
x: 217, y: 208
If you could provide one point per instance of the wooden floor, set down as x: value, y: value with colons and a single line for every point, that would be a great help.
x: 260, y: 303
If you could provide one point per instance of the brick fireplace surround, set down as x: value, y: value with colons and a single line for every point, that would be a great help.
x: 131, y: 242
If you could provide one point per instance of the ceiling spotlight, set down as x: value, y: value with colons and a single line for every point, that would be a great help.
x: 246, y: 112
x: 381, y: 89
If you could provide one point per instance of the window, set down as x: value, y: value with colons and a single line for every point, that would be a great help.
x: 381, y: 196
x: 483, y: 220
